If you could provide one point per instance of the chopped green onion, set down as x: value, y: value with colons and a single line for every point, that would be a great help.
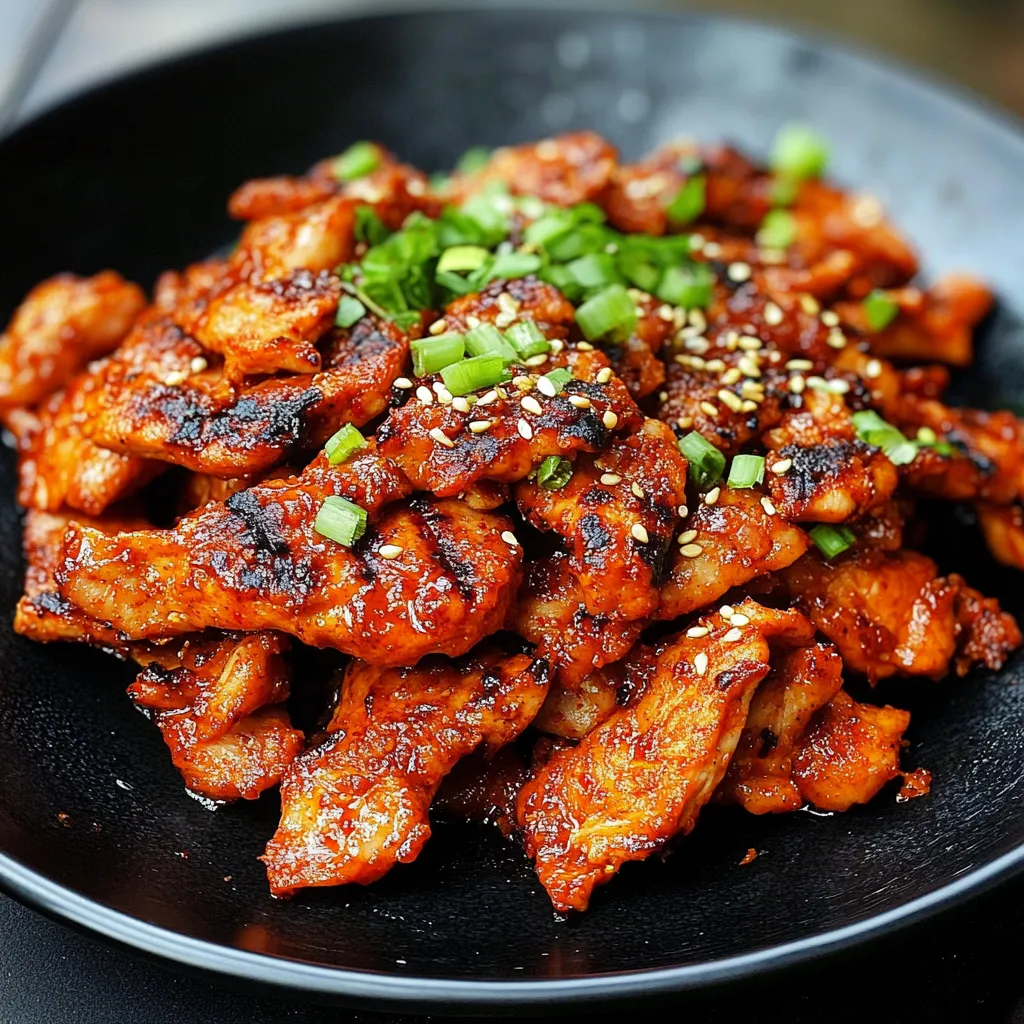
x: 527, y: 339
x: 639, y: 270
x: 340, y: 520
x: 778, y: 230
x: 595, y: 270
x: 549, y: 227
x: 831, y: 540
x: 610, y: 310
x: 470, y: 374
x: 799, y: 152
x: 432, y: 354
x: 688, y: 286
x: 578, y: 242
x: 406, y: 321
x: 927, y: 438
x: 454, y: 282
x: 879, y: 310
x: 707, y: 463
x: 510, y: 265
x: 784, y: 191
x: 486, y: 339
x: 688, y: 203
x: 554, y: 472
x: 559, y: 378
x: 350, y: 309
x: 558, y: 275
x: 473, y: 160
x: 873, y: 430
x: 343, y: 444
x: 360, y: 159
x: 463, y: 257
x: 746, y: 470
x: 488, y: 213
x: 369, y: 228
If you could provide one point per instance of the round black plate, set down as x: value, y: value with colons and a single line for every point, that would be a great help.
x: 94, y: 825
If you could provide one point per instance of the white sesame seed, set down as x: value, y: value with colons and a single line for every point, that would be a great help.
x: 666, y: 312
x: 507, y: 304
x: 732, y: 636
x: 486, y: 399
x: 556, y: 344
x: 479, y: 426
x: 782, y: 467
x: 773, y: 314
x: 797, y: 384
x: 738, y: 271
x: 748, y: 405
x: 696, y: 632
x: 584, y: 346
x: 683, y: 511
x: 818, y: 383
x: 836, y: 339
x: 690, y: 550
x: 579, y: 401
x: 425, y: 395
x: 445, y: 397
x: 610, y: 419
x: 697, y: 319
x: 402, y: 382
x: 731, y: 376
x: 839, y: 386
x: 712, y: 496
x: 639, y: 532
x: 686, y: 536
x: 830, y: 318
x: 438, y: 326
x: 525, y: 430
x: 739, y: 619
x: 873, y: 369
x: 441, y: 437
x: 546, y: 387
x: 684, y: 422
x: 415, y: 187
x: 503, y: 320
x: 472, y: 321
x: 715, y: 365
x: 389, y: 551
x: 523, y: 382
x: 604, y: 375
x: 749, y: 343
x: 731, y: 399
x: 509, y: 538
x: 438, y: 386
x: 700, y: 663
x: 198, y: 364
x: 809, y: 304
x: 460, y: 404
x: 768, y: 505
x: 610, y: 479
x: 530, y: 404
x: 538, y: 360
x: 799, y: 364
x: 867, y: 211
x: 175, y: 377
x: 637, y: 489
x: 709, y: 410
x: 712, y: 250
x: 697, y: 344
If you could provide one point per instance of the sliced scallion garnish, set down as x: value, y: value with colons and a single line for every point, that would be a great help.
x: 873, y: 430
x: 610, y: 311
x: 340, y: 520
x: 435, y: 353
x: 799, y: 152
x: 559, y: 378
x: 831, y: 540
x: 486, y: 339
x: 463, y: 257
x: 688, y: 203
x: 687, y: 286
x: 778, y: 230
x: 707, y: 463
x: 746, y: 470
x: 527, y: 339
x: 879, y: 310
x: 342, y: 444
x: 473, y: 373
x: 360, y: 159
x: 350, y: 310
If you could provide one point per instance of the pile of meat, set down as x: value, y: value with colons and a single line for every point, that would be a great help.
x: 636, y: 642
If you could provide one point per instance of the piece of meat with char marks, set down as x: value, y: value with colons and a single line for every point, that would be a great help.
x: 525, y: 298
x: 642, y: 777
x: 256, y: 562
x: 356, y: 804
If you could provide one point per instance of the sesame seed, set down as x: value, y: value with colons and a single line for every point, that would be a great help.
x: 732, y: 636
x: 797, y: 384
x: 389, y: 551
x: 830, y: 318
x: 748, y: 405
x: 690, y: 550
x: 504, y: 320
x: 731, y: 376
x: 712, y: 250
x: 507, y: 304
x: 873, y: 369
x: 684, y: 422
x: 738, y: 619
x: 738, y: 271
x: 768, y: 505
x: 175, y: 377
x: 486, y: 399
x: 460, y: 404
x: 472, y: 321
x: 700, y: 663
x: 752, y: 389
x: 637, y: 489
x: 836, y: 339
x: 709, y: 410
x: 556, y: 344
x: 425, y: 395
x: 546, y: 388
x: 479, y: 426
x: 445, y: 397
x: 610, y: 479
x: 525, y: 430
x: 696, y: 242
x: 610, y: 419
x: 749, y: 367
x: 809, y: 304
x: 867, y: 211
x: 731, y: 399
x: 686, y: 536
x: 639, y: 532
x: 584, y: 346
x: 818, y: 383
x: 437, y: 387
x: 799, y: 364
x: 712, y: 496
x: 715, y: 365
x: 926, y: 435
x: 580, y: 401
x: 198, y: 364
x: 697, y: 344
x: 749, y: 343
x: 697, y: 319
x: 415, y: 187
x: 402, y: 382
x: 696, y: 632
x: 782, y: 467
x: 530, y: 404
x: 662, y: 396
x: 523, y: 382
x: 438, y: 326
x: 538, y: 360
x: 604, y: 375
x: 509, y: 538
x: 441, y: 437
x: 666, y: 313
x: 727, y: 611
x: 683, y: 511
x: 839, y: 386
x: 773, y: 314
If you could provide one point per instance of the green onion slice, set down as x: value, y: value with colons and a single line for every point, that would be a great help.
x: 474, y: 373
x: 784, y: 191
x: 360, y: 159
x: 340, y: 520
x: 687, y: 286
x: 510, y: 265
x: 342, y: 444
x: 872, y: 429
x: 778, y: 230
x: 559, y: 378
x: 610, y: 310
x: 350, y: 310
x: 463, y: 257
x: 594, y: 271
x: 432, y: 354
x: 707, y: 463
x: 486, y: 339
x: 879, y: 310
x: 746, y: 470
x: 688, y: 203
x: 831, y: 540
x: 527, y: 339
x: 799, y: 152
x: 474, y: 159
x: 554, y: 472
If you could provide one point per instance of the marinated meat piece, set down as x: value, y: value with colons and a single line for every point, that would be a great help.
x: 760, y: 777
x: 256, y: 562
x: 1003, y: 529
x: 725, y: 545
x: 551, y: 614
x: 643, y: 776
x: 617, y: 515
x: 573, y: 711
x: 357, y: 803
x: 205, y: 425
x: 483, y: 789
x: 526, y: 298
x: 274, y: 197
x: 986, y: 635
x: 500, y: 438
x: 61, y: 325
x: 833, y: 475
x: 850, y: 752
x: 637, y: 366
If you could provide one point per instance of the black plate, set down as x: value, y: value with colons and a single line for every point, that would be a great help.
x: 134, y: 175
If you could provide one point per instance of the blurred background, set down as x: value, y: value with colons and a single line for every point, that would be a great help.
x: 50, y: 48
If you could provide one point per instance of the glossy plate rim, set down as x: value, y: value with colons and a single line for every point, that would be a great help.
x: 394, y: 991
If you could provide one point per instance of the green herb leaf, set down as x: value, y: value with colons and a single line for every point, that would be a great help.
x: 799, y: 152
x: 778, y: 230
x: 879, y: 310
x: 707, y: 463
x: 350, y: 310
x: 689, y: 201
x: 360, y: 159
x: 554, y: 473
